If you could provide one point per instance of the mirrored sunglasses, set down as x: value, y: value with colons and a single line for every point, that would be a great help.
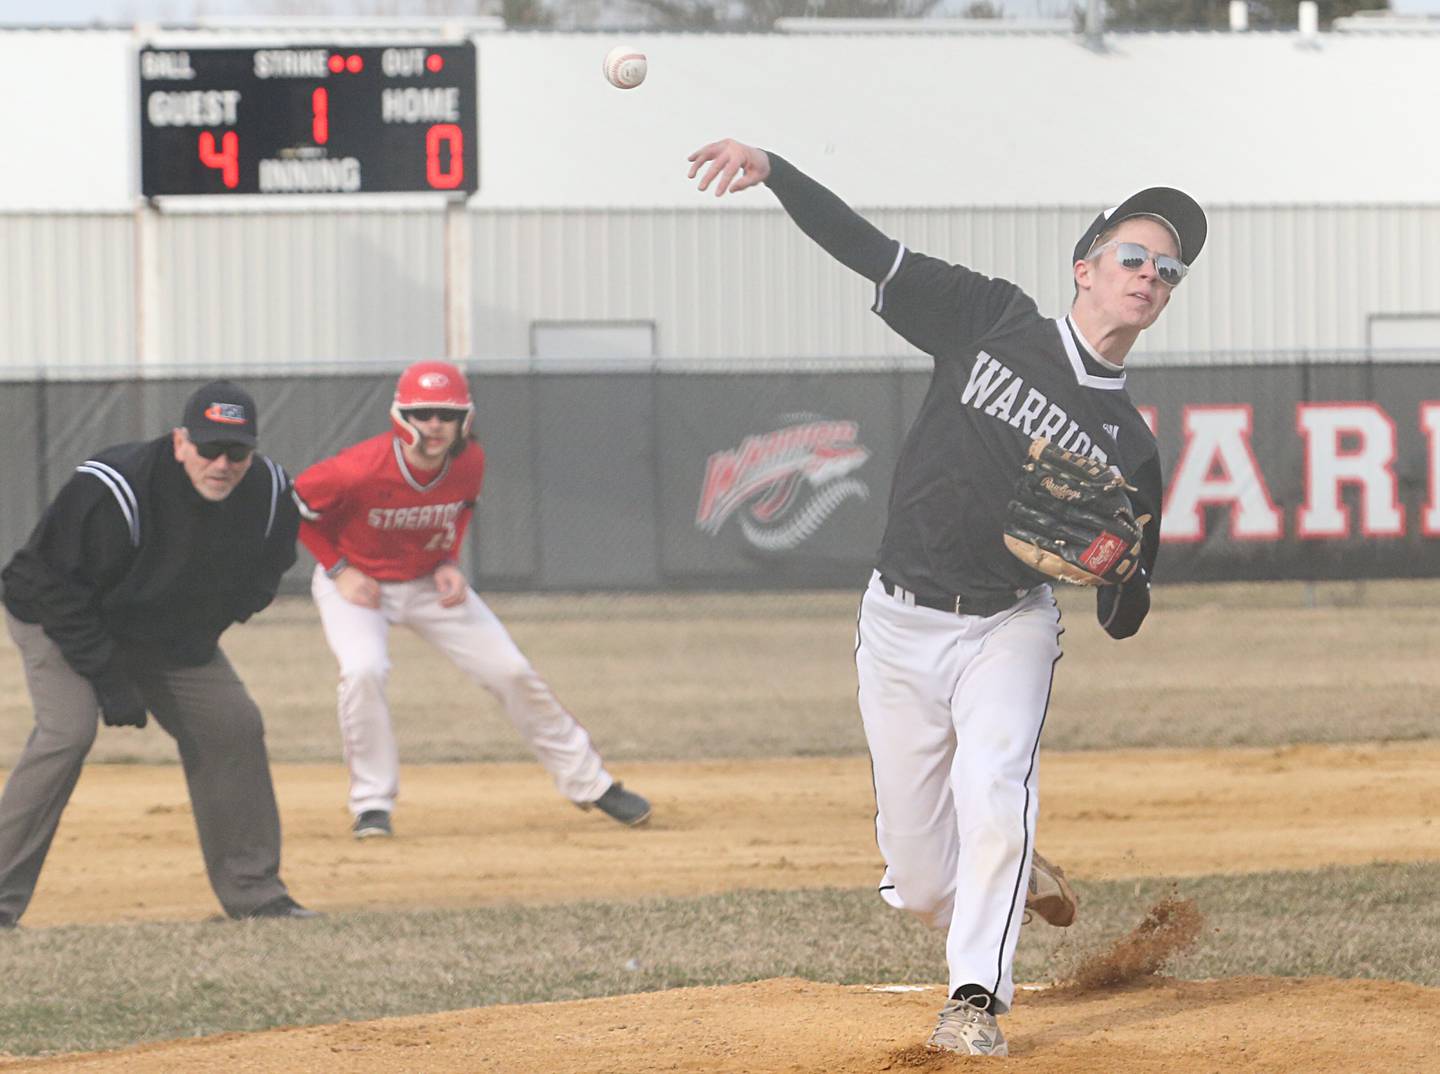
x: 431, y: 413
x: 1132, y: 257
x: 215, y: 448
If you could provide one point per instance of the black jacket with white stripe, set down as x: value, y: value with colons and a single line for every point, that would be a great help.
x: 129, y: 563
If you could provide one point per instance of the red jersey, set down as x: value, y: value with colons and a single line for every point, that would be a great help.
x: 370, y: 507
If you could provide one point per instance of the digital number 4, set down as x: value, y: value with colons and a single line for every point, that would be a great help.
x: 227, y: 160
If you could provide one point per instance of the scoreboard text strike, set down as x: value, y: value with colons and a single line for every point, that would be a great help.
x: 311, y: 120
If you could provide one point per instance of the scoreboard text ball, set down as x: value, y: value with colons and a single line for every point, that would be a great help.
x: 308, y: 120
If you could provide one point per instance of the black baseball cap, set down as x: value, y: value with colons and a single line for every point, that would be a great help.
x: 221, y: 412
x: 1174, y: 207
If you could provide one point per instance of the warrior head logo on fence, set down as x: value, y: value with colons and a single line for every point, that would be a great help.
x: 788, y: 481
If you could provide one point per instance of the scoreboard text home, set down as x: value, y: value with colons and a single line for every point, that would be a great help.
x: 308, y: 120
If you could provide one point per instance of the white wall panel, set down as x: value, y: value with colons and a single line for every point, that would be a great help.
x: 911, y: 120
x: 68, y: 122
x: 974, y: 119
x: 66, y: 293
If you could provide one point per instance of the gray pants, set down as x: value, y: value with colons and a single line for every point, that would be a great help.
x: 222, y: 749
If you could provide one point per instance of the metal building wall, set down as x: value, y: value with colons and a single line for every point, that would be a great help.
x: 67, y: 293
x: 250, y: 291
x: 1277, y: 279
x: 266, y: 289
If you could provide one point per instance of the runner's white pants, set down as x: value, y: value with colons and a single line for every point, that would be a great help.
x: 479, y: 645
x: 953, y: 706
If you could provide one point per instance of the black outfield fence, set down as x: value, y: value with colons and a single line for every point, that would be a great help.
x: 650, y: 478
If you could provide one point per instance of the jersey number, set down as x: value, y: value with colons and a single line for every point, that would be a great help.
x: 443, y: 539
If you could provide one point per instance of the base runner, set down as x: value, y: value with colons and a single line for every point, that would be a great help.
x: 384, y: 520
x: 957, y: 638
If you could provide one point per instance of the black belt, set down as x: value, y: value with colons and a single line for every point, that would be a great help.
x: 981, y: 604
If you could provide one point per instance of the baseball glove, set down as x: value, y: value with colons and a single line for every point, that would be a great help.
x: 1071, y: 519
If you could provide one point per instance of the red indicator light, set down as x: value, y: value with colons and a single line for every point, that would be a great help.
x: 337, y: 63
x: 434, y: 62
x: 354, y: 65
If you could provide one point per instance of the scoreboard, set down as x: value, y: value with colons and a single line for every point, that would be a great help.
x: 313, y: 119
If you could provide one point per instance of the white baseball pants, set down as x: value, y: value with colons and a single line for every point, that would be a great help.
x: 953, y: 706
x: 479, y: 645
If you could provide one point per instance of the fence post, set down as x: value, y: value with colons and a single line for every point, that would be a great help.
x: 42, y: 438
x: 1307, y: 391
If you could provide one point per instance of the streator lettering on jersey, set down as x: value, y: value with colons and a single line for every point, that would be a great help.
x: 436, y: 515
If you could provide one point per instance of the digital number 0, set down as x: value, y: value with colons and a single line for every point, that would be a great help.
x: 454, y: 175
x: 227, y: 160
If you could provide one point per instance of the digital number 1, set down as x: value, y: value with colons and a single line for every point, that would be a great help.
x: 320, y: 115
x: 227, y: 160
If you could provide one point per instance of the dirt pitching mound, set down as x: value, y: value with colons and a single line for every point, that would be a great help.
x: 1153, y: 1026
x: 1170, y: 928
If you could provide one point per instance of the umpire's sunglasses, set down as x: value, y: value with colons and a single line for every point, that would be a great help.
x: 1132, y: 257
x: 215, y: 448
x: 431, y: 413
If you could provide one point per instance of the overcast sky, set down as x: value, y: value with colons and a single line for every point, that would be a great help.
x: 50, y: 12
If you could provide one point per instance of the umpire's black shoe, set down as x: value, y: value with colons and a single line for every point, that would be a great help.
x: 624, y: 806
x: 282, y: 906
x: 373, y: 824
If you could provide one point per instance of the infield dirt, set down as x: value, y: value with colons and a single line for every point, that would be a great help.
x: 476, y: 834
x: 472, y: 834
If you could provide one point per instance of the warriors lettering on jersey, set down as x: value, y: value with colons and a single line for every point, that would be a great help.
x: 415, y: 518
x: 995, y: 388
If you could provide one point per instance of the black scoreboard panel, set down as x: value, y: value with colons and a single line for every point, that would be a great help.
x: 312, y: 119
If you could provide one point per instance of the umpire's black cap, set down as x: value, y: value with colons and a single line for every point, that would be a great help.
x: 221, y: 411
x: 1174, y: 207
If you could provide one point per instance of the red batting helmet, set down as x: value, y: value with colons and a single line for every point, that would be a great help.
x: 431, y: 385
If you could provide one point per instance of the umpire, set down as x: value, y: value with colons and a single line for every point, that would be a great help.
x: 117, y: 603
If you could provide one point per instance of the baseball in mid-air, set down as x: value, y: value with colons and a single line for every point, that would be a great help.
x: 625, y: 67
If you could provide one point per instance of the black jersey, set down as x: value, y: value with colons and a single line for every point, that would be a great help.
x: 1004, y: 376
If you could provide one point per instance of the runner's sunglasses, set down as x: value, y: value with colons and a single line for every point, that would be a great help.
x: 431, y: 413
x: 216, y: 448
x: 1132, y: 256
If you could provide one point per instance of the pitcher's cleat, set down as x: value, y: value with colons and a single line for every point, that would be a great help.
x: 966, y: 1029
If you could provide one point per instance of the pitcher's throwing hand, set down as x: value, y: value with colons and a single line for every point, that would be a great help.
x: 736, y: 165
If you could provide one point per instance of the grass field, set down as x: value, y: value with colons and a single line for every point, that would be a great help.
x: 691, y: 676
x: 84, y: 988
